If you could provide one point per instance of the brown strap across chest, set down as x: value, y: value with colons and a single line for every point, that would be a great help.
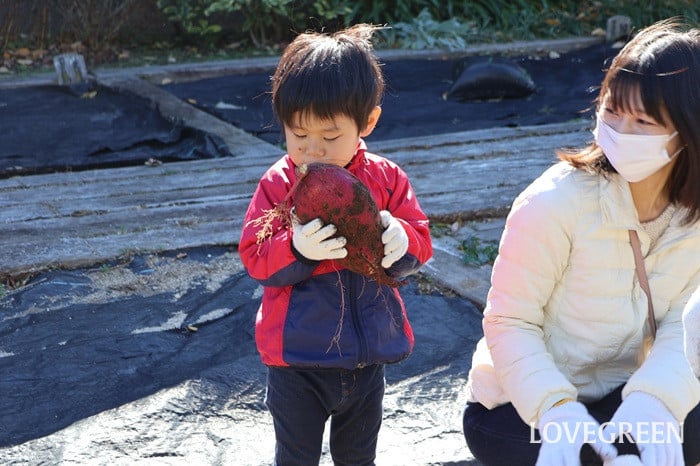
x: 643, y: 280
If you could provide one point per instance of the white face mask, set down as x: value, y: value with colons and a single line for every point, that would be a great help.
x: 634, y: 156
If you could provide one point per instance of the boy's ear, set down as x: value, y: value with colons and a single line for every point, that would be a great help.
x: 371, y: 121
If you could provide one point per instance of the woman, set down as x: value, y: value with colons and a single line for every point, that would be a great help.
x: 562, y: 375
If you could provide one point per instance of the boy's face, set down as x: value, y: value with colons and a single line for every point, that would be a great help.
x: 311, y: 139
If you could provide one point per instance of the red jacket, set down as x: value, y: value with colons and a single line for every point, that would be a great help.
x: 318, y: 314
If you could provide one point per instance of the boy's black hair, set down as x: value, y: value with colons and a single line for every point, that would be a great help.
x: 328, y: 75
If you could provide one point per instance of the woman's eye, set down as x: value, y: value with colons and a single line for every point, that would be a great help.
x: 648, y: 122
x: 609, y: 111
x: 299, y: 135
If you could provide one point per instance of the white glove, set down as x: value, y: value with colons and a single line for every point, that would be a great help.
x: 312, y: 241
x: 624, y: 460
x: 563, y: 430
x: 654, y: 429
x: 394, y: 238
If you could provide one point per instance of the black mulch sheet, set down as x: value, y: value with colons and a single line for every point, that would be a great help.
x: 67, y: 354
x: 413, y: 104
x: 69, y: 361
x: 54, y: 128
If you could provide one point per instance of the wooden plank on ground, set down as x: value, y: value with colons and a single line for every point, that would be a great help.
x: 80, y: 218
x: 240, y: 143
x: 477, y: 174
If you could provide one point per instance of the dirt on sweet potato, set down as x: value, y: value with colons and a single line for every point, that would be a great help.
x: 336, y: 196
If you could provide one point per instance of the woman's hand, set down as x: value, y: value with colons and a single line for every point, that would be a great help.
x: 655, y: 430
x: 563, y: 431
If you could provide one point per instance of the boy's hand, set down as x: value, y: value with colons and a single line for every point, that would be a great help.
x: 312, y: 241
x: 394, y: 238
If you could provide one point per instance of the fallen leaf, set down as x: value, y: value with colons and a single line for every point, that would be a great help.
x: 23, y: 52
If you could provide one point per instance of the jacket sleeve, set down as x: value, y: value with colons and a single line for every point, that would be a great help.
x: 533, y: 255
x: 404, y: 206
x: 265, y: 245
x: 666, y: 373
x: 691, y: 332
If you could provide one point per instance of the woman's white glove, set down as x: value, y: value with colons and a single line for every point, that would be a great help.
x: 563, y: 431
x: 654, y: 429
x: 394, y: 238
x: 314, y: 241
x: 624, y: 460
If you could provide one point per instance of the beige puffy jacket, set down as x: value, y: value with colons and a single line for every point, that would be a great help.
x: 691, y: 332
x: 565, y: 313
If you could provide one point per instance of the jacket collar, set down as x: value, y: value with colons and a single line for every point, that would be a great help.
x: 618, y: 211
x: 359, y: 158
x: 616, y: 204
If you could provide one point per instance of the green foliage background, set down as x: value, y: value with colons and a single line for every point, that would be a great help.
x: 428, y: 22
x: 105, y: 28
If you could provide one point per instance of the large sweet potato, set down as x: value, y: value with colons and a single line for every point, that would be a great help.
x: 336, y: 196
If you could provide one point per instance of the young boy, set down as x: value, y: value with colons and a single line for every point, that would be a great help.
x: 325, y: 332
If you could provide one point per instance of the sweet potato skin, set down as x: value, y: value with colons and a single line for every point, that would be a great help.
x: 336, y: 196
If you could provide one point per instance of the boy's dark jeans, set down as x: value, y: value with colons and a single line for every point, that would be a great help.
x: 500, y: 437
x: 301, y: 400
